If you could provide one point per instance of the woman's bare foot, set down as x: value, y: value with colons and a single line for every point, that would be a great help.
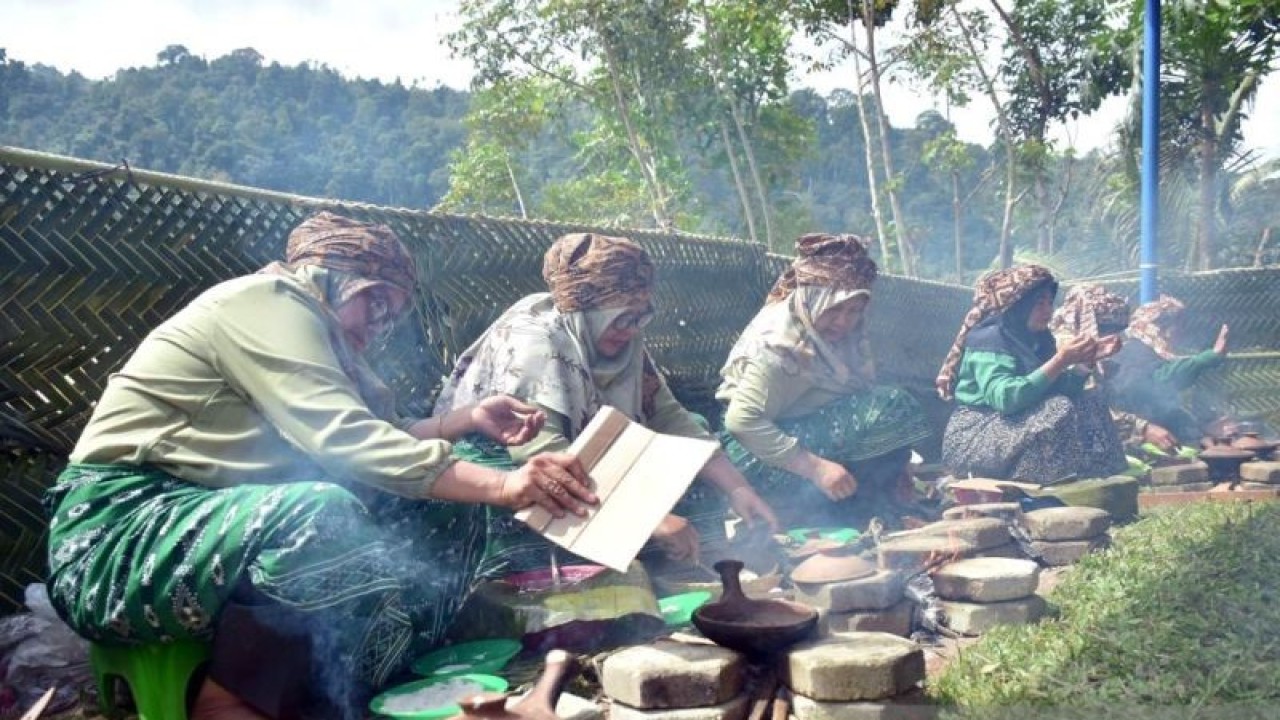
x: 217, y: 703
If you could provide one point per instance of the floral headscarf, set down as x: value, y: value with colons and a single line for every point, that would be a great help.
x: 335, y: 257
x: 828, y: 270
x: 543, y: 349
x: 996, y: 292
x: 1152, y: 324
x: 1090, y: 310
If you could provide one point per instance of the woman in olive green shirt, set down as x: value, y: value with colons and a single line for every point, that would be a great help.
x: 568, y: 352
x: 1022, y: 411
x: 212, y: 495
x: 805, y: 419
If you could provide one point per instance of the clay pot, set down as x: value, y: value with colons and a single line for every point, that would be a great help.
x: 1253, y: 442
x: 1224, y: 461
x: 539, y: 704
x: 758, y: 628
x: 829, y: 567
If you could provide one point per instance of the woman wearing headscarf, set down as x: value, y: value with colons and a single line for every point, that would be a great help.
x: 805, y: 420
x: 1090, y: 310
x: 1149, y: 376
x: 1022, y: 410
x: 212, y: 495
x: 569, y: 352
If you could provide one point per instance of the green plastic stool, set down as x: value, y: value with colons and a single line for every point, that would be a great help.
x: 158, y: 675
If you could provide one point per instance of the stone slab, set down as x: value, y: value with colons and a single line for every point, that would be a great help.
x: 1066, y: 523
x: 1194, y: 472
x: 734, y: 709
x: 1068, y: 552
x: 1009, y: 550
x: 980, y: 532
x: 1187, y: 487
x: 987, y: 580
x: 667, y: 674
x: 978, y: 618
x: 909, y: 706
x: 999, y: 510
x: 894, y: 620
x: 912, y: 553
x: 875, y: 592
x: 1261, y: 471
x: 853, y: 666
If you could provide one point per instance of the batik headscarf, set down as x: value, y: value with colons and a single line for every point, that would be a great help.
x: 334, y: 258
x: 1152, y: 324
x: 828, y: 270
x: 996, y: 293
x: 1091, y: 311
x: 543, y: 348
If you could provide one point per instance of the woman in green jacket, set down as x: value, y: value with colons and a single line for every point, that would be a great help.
x: 1022, y: 410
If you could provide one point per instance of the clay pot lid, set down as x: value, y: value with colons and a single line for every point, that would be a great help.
x: 1253, y: 441
x: 1226, y: 452
x: 829, y: 567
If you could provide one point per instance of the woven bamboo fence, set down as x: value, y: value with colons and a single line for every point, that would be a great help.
x: 92, y: 257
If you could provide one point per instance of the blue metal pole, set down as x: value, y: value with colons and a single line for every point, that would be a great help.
x: 1150, y: 150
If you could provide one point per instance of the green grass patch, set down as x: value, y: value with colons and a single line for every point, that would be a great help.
x: 1182, y: 611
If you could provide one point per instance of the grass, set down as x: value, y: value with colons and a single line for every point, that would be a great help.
x: 1183, y: 611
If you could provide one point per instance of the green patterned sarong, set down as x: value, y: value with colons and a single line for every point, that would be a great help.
x: 870, y: 433
x: 138, y: 556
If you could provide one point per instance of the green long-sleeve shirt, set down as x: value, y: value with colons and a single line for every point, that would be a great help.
x: 1183, y: 372
x: 244, y: 386
x: 992, y: 379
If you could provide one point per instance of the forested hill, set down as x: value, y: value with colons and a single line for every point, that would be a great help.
x: 303, y: 129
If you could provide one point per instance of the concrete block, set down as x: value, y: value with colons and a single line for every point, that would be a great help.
x: 1261, y: 471
x: 1000, y: 510
x: 978, y: 618
x: 854, y: 666
x: 734, y: 709
x: 1194, y: 472
x: 910, y: 706
x: 895, y: 620
x: 669, y: 674
x: 987, y: 580
x: 1067, y: 523
x: 1068, y: 552
x: 875, y: 592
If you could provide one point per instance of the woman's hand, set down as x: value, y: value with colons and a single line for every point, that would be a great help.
x: 749, y: 506
x: 504, y: 419
x: 1220, y: 345
x: 1078, y: 350
x: 555, y: 482
x: 677, y: 538
x: 834, y: 480
x: 1160, y: 437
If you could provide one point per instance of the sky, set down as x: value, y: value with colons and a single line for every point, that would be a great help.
x: 390, y: 39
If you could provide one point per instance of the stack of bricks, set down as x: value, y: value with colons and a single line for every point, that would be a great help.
x: 854, y: 676
x: 676, y: 681
x: 876, y: 603
x: 979, y: 594
x: 1063, y: 535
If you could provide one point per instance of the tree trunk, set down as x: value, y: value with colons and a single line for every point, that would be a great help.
x: 756, y: 179
x: 1208, y: 176
x: 1006, y: 136
x: 644, y: 158
x: 747, y: 213
x: 515, y: 186
x: 956, y: 225
x: 882, y: 235
x: 886, y: 155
